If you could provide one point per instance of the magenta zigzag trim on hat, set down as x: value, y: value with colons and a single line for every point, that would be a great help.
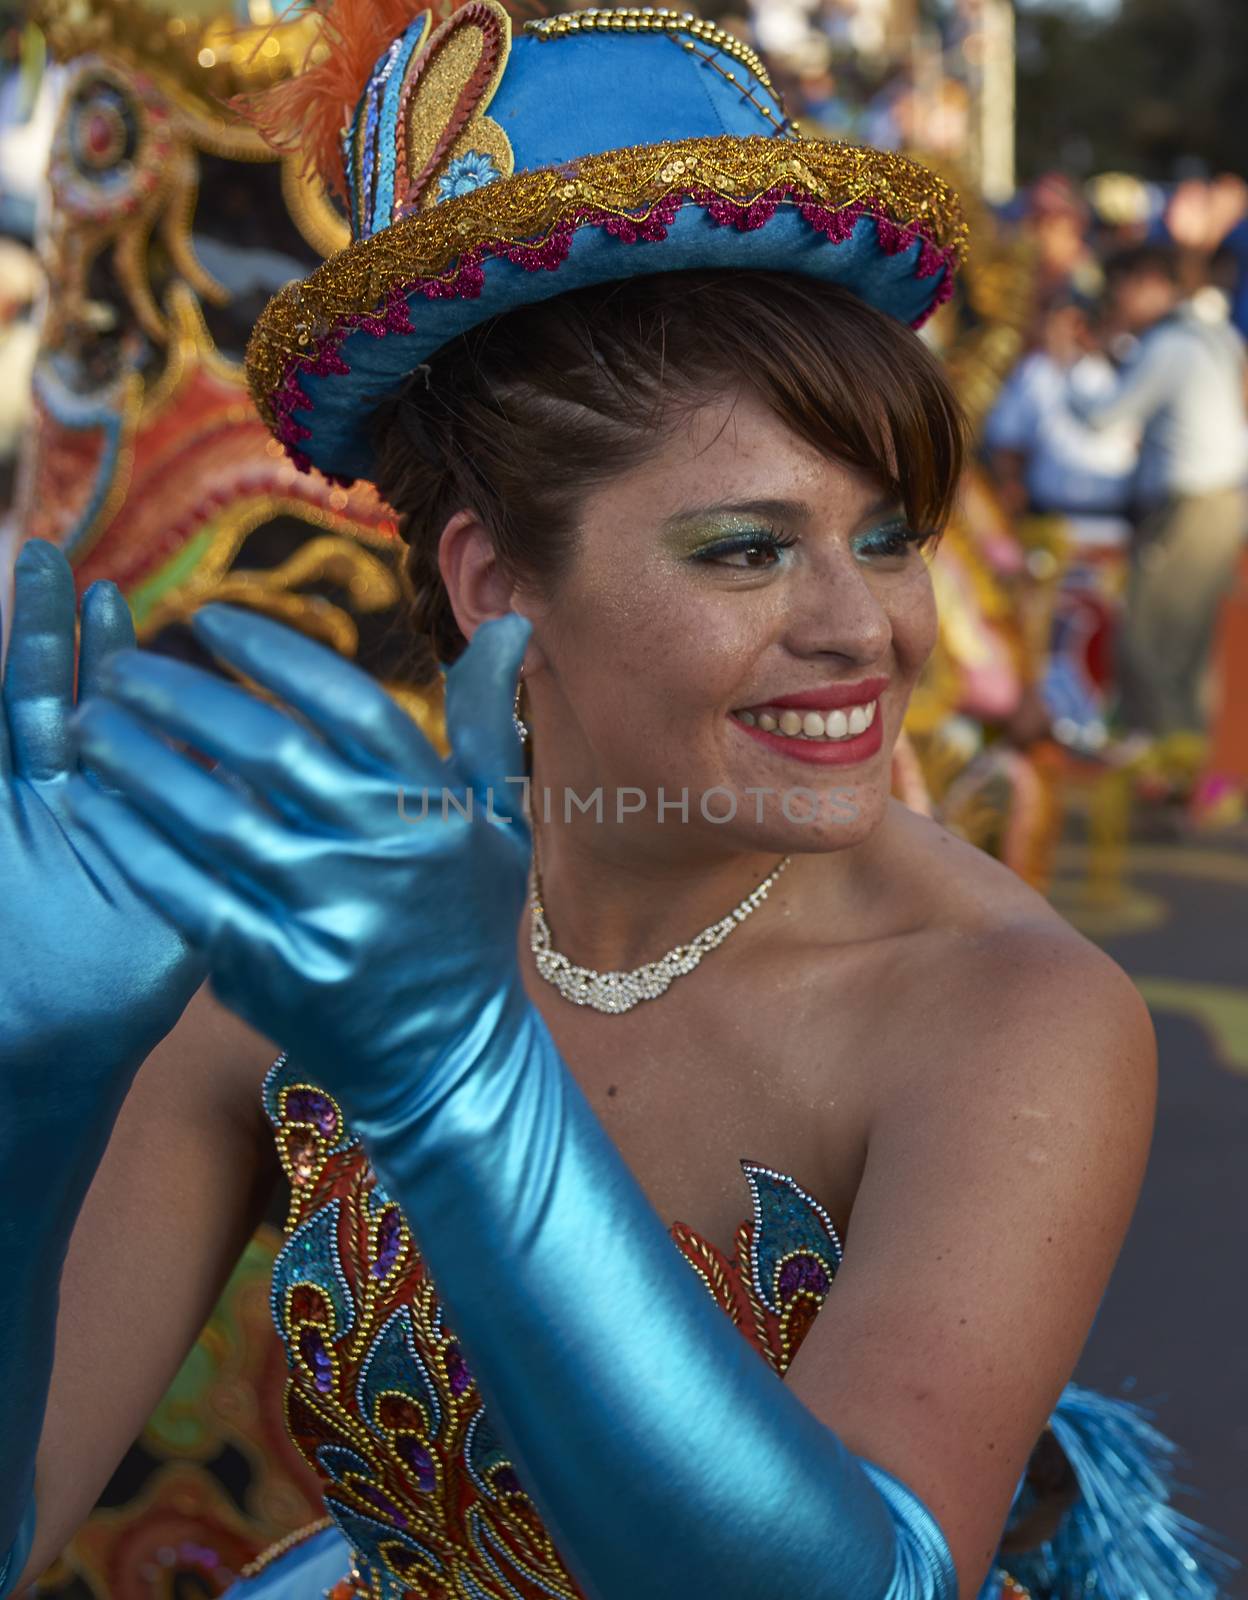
x: 467, y: 279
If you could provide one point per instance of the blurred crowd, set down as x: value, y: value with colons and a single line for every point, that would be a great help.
x: 1126, y: 418
x: 1124, y: 422
x: 876, y: 72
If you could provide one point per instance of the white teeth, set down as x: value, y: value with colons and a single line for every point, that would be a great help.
x: 813, y: 724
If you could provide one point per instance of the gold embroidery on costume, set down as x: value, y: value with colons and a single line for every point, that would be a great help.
x: 146, y: 460
x: 459, y: 73
x: 193, y: 473
x: 313, y: 212
x: 253, y: 1569
x: 119, y: 173
x: 657, y: 19
x: 693, y: 34
x: 381, y: 1401
x: 528, y: 209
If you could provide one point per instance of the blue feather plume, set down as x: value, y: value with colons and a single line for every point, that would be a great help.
x: 1122, y: 1539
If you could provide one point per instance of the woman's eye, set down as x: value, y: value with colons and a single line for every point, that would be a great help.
x: 751, y: 551
x: 753, y: 555
x: 894, y: 539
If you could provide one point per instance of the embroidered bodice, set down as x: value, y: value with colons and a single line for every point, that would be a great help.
x: 381, y: 1401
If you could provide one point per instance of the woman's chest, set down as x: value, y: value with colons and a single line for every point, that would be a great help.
x: 690, y: 1089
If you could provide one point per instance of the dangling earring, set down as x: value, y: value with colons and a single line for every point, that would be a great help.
x: 522, y: 727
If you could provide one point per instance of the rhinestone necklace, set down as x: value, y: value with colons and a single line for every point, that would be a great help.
x: 614, y: 992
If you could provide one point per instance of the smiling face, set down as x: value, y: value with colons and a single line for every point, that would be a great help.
x: 741, y: 613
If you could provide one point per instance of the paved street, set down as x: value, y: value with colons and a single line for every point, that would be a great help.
x: 1171, y: 1332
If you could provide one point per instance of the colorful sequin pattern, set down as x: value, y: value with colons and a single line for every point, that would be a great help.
x: 441, y: 251
x: 422, y: 117
x: 381, y: 1401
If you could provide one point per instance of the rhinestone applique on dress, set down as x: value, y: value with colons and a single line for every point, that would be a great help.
x: 381, y: 1401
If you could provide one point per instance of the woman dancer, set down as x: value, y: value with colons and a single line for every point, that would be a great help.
x: 686, y: 503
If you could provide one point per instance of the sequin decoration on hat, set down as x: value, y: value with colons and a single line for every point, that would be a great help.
x: 421, y: 119
x: 487, y: 169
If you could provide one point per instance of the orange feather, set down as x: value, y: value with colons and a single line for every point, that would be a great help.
x: 308, y: 112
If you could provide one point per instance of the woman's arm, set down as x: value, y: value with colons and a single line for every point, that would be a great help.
x: 1142, y: 389
x: 182, y: 1186
x: 93, y: 981
x: 1001, y: 1173
x: 666, y: 1457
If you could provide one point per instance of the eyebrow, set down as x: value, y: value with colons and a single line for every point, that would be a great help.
x: 795, y: 509
x: 759, y: 508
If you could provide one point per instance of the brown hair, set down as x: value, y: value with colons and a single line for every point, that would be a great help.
x: 520, y: 417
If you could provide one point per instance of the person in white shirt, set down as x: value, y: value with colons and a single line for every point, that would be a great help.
x: 1183, y: 386
x: 1045, y: 459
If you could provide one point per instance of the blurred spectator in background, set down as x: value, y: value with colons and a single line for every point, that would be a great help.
x: 1200, y: 216
x: 889, y: 118
x: 1056, y: 222
x: 1125, y: 211
x: 1069, y: 489
x: 1045, y: 459
x: 1183, y: 386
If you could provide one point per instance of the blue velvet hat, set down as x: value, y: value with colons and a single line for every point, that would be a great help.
x: 488, y: 166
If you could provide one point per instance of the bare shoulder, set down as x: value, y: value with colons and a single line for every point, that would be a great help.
x: 1026, y: 1001
x: 1010, y: 1098
x: 957, y: 884
x: 1048, y: 1013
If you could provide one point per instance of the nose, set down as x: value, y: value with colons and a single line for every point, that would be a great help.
x: 837, y: 613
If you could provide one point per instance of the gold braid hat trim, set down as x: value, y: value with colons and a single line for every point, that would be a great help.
x: 651, y: 19
x: 303, y: 324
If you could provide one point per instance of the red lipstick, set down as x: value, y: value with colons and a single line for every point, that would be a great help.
x: 821, y: 752
x: 833, y: 698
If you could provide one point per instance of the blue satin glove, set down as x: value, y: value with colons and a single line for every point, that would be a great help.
x: 665, y: 1456
x: 337, y: 920
x: 93, y: 979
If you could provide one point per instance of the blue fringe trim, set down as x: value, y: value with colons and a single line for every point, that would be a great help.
x: 1122, y: 1539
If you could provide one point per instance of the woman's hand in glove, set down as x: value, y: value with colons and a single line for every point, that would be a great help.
x: 343, y: 909
x: 93, y: 978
